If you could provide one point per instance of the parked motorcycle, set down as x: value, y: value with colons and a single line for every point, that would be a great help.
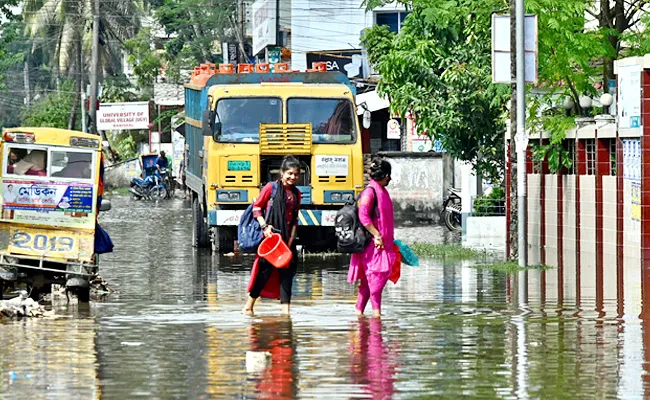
x: 168, y: 181
x: 451, y: 210
x: 152, y: 187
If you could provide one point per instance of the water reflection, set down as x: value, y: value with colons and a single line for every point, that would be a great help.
x: 275, y: 335
x: 372, y: 362
x: 173, y: 329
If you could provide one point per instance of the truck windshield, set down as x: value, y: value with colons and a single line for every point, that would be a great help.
x: 331, y: 119
x: 241, y: 117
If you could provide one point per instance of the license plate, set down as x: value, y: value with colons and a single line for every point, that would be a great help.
x: 58, y: 244
x: 239, y: 165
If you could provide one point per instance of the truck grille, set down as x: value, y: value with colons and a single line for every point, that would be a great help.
x: 332, y: 179
x: 232, y: 179
x: 281, y: 139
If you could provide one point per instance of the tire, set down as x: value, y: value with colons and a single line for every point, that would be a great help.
x: 222, y: 239
x: 453, y: 221
x: 159, y: 193
x: 83, y: 295
x: 200, y: 237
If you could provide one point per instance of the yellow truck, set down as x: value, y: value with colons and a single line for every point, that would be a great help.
x: 239, y: 126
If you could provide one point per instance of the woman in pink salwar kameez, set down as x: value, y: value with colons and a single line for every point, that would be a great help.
x: 373, y: 266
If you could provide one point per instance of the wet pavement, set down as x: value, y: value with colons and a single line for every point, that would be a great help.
x: 173, y: 329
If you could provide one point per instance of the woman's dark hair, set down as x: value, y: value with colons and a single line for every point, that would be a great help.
x: 379, y: 168
x: 290, y: 162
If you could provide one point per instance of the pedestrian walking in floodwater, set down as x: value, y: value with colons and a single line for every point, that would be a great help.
x: 373, y: 266
x: 282, y: 208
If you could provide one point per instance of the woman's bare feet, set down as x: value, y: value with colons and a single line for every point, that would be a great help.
x: 285, y: 309
x: 358, y: 312
x: 248, y: 308
x: 376, y: 313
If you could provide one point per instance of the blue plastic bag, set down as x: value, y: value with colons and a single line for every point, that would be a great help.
x: 103, y: 242
x: 408, y: 256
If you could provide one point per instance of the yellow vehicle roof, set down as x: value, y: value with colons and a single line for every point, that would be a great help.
x: 53, y: 136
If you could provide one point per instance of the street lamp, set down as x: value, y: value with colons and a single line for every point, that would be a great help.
x: 585, y: 104
x: 569, y: 104
x: 606, y: 100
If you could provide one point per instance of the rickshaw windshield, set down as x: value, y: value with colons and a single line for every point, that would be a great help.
x: 49, y: 162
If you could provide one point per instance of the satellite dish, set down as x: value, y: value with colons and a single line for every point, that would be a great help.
x: 366, y: 119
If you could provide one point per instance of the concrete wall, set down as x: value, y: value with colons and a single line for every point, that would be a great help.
x: 485, y: 233
x: 417, y: 186
x: 120, y: 175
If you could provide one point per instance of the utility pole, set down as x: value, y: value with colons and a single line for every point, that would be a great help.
x: 242, y: 32
x: 278, y: 35
x: 522, y: 144
x: 26, y: 80
x: 94, y: 69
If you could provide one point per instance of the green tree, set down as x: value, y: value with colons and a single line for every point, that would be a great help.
x: 195, y: 29
x: 438, y: 68
x: 53, y: 110
x: 145, y: 60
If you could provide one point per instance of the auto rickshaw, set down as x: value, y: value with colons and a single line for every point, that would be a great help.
x: 50, y: 194
x: 154, y: 183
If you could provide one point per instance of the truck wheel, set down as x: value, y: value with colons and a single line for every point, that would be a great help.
x: 83, y: 294
x: 222, y: 239
x: 200, y: 237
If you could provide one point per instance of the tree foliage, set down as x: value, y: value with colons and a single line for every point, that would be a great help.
x: 52, y: 110
x: 438, y: 69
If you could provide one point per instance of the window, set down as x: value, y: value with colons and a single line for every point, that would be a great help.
x: 393, y: 20
x: 612, y: 157
x: 241, y: 117
x: 72, y: 164
x: 26, y: 161
x: 590, y: 148
x: 34, y: 161
x: 332, y: 120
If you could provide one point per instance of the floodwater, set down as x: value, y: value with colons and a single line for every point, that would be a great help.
x: 173, y: 329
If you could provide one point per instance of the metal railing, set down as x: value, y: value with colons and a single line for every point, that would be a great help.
x: 488, y: 207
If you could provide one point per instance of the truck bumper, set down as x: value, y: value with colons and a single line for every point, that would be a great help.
x: 306, y: 217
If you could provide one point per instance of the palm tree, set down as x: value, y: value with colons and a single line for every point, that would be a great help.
x: 64, y: 29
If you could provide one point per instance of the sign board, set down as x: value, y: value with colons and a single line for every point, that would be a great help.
x: 349, y: 62
x: 230, y: 53
x: 123, y: 116
x: 629, y: 96
x: 501, y: 62
x: 332, y: 165
x: 264, y: 24
x: 393, y: 130
x: 54, y: 203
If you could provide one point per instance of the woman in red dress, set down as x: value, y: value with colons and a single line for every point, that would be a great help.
x: 282, y: 217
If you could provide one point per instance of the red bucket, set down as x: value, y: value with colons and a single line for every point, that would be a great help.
x: 274, y: 250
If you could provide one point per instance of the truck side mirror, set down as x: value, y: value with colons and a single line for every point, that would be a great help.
x: 217, y: 130
x: 208, y: 122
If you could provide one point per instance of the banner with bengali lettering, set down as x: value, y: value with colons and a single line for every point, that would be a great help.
x: 53, y: 203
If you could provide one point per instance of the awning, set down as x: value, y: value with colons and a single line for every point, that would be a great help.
x: 371, y: 101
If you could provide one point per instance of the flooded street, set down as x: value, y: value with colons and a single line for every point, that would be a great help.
x: 173, y: 329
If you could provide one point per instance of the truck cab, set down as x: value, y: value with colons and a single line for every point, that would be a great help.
x: 239, y: 127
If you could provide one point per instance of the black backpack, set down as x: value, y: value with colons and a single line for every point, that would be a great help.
x: 351, y: 236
